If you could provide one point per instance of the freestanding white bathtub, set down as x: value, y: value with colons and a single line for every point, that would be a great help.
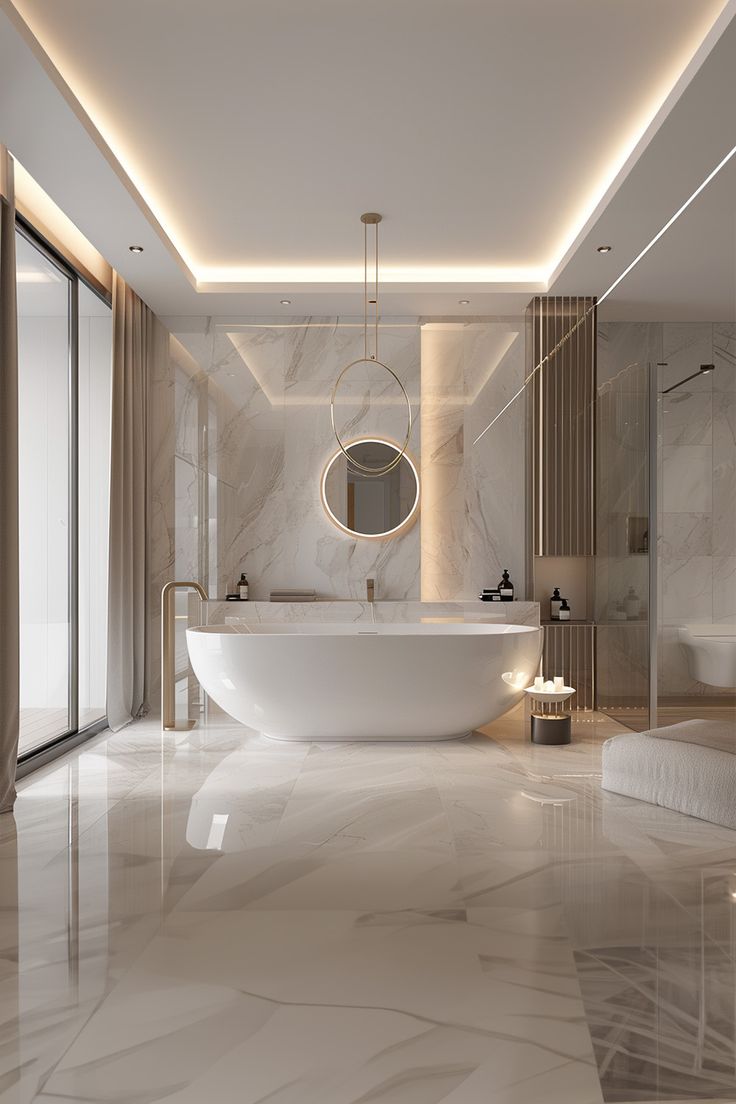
x: 365, y: 682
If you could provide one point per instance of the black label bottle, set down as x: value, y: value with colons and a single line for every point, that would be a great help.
x: 554, y: 605
x: 506, y: 588
x: 243, y: 588
x: 564, y: 614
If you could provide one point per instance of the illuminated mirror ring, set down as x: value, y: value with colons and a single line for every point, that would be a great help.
x: 401, y: 451
x: 399, y: 503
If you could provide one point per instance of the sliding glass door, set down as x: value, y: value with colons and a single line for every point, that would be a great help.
x: 93, y: 482
x: 44, y: 354
x: 64, y: 371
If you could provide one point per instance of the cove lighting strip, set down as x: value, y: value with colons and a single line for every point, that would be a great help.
x: 670, y: 222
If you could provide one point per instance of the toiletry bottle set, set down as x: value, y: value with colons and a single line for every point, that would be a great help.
x: 504, y: 592
x: 630, y: 608
x: 241, y: 591
x: 559, y: 608
x: 632, y: 605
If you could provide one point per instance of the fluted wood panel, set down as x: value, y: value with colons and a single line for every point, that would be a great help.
x: 569, y: 650
x: 562, y: 341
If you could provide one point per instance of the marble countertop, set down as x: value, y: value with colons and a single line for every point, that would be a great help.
x: 386, y: 610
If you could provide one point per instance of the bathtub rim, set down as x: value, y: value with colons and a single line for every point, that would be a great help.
x: 420, y: 629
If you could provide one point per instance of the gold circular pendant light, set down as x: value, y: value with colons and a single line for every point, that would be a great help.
x: 370, y: 219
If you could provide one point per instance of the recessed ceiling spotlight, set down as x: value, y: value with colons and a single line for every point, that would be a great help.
x: 285, y: 302
x: 604, y: 248
x: 463, y: 302
x: 135, y: 248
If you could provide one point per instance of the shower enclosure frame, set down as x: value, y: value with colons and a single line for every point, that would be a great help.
x: 653, y: 565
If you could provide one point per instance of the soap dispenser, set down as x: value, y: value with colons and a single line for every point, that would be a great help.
x: 506, y: 587
x: 243, y: 587
x: 554, y: 605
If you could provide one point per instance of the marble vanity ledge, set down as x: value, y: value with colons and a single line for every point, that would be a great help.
x: 347, y: 611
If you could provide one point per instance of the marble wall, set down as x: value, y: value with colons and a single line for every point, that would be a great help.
x: 697, y: 485
x: 162, y: 538
x: 696, y: 491
x: 253, y: 436
x: 474, y: 494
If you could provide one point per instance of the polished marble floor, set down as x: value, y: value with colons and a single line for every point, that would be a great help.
x: 209, y: 916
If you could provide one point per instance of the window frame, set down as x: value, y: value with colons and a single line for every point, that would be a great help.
x: 59, y: 745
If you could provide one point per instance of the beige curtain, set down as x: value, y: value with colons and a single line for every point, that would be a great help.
x: 9, y: 572
x: 128, y: 658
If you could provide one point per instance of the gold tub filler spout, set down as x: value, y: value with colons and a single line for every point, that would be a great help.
x: 168, y: 700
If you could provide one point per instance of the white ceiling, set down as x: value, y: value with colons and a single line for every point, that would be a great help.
x: 239, y: 142
x: 690, y: 274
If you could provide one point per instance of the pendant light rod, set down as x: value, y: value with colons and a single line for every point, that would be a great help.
x: 370, y: 218
x: 365, y: 290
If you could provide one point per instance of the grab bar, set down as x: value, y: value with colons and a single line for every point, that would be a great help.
x: 168, y: 696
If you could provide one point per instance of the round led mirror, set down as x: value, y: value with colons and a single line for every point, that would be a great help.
x: 373, y: 506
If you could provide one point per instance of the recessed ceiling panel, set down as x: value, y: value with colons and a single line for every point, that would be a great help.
x: 485, y: 131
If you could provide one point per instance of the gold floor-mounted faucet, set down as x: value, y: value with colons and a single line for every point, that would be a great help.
x: 168, y: 699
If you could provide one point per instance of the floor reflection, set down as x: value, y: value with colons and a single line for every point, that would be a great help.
x: 209, y: 915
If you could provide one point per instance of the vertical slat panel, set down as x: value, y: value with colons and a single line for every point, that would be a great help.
x: 561, y: 372
x: 562, y: 394
x: 569, y: 650
x: 580, y: 420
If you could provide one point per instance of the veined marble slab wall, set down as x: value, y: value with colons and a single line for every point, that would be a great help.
x: 161, y: 566
x: 474, y: 504
x: 253, y: 436
x: 259, y: 395
x: 199, y: 407
x: 696, y: 491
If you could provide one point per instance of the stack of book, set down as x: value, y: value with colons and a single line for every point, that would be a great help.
x: 282, y: 595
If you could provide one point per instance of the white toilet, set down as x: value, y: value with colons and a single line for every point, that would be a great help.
x: 711, y: 653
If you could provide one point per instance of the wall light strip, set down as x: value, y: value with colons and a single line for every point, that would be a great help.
x: 235, y: 327
x: 285, y: 277
x: 601, y: 298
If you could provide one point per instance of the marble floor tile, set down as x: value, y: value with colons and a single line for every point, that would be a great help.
x: 324, y: 1006
x: 655, y: 1032
x: 209, y: 916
